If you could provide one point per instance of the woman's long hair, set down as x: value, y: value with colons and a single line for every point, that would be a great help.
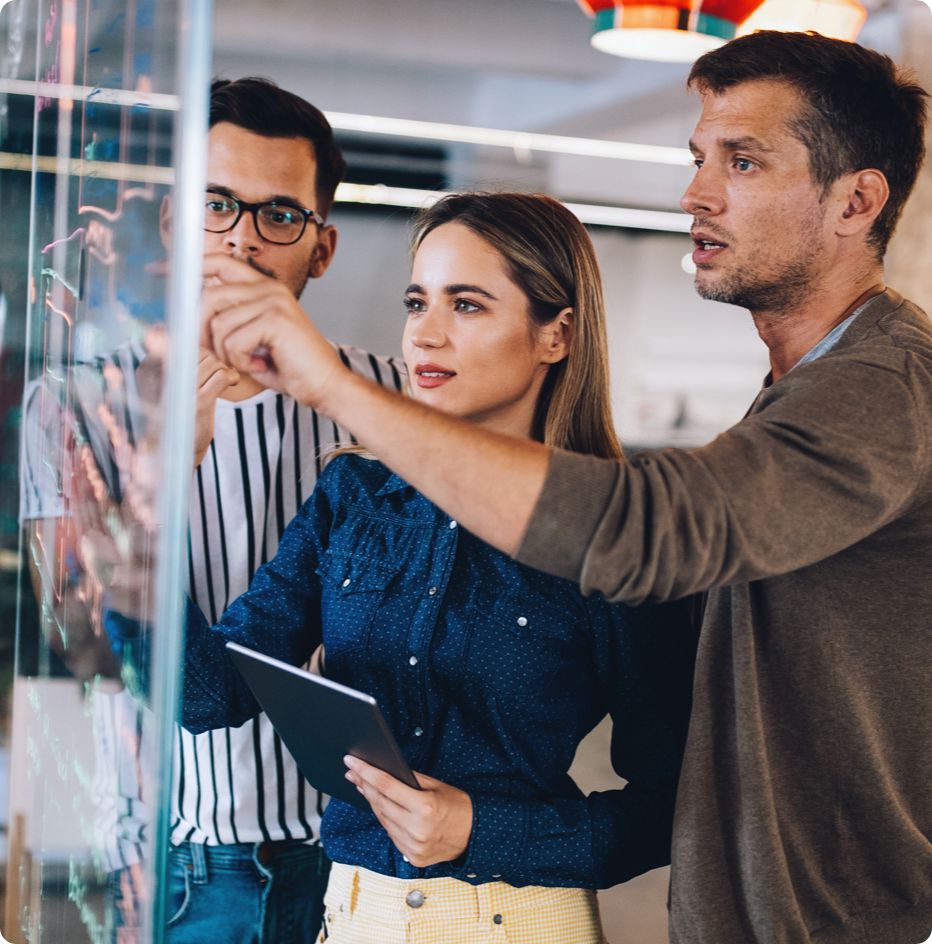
x: 550, y: 257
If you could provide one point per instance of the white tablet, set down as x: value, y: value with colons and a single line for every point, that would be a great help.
x: 320, y: 722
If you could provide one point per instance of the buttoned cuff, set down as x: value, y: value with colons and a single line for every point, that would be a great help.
x: 204, y: 648
x: 497, y: 843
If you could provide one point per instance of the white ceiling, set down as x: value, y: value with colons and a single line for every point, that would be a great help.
x: 523, y: 64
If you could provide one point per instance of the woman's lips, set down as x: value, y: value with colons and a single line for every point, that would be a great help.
x: 432, y: 375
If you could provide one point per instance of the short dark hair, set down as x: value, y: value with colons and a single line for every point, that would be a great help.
x: 863, y: 112
x: 262, y: 107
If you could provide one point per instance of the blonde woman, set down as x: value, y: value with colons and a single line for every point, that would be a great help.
x: 488, y: 672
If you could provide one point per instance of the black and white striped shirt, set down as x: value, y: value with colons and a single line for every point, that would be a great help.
x: 240, y: 784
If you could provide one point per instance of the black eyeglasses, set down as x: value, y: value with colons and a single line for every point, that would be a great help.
x: 276, y: 221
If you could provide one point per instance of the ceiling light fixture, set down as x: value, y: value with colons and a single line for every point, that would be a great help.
x: 591, y: 213
x: 664, y: 30
x: 86, y: 93
x: 838, y: 19
x: 515, y: 140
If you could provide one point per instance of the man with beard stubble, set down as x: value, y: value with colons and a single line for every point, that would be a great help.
x: 804, y: 807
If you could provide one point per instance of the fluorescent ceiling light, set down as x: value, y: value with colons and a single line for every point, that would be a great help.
x: 593, y: 214
x: 87, y: 93
x: 515, y: 140
x: 78, y: 167
x: 374, y: 124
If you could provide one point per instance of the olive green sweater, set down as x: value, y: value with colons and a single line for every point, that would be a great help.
x: 804, y: 810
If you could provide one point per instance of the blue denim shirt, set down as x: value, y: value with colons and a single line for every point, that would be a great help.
x: 489, y: 674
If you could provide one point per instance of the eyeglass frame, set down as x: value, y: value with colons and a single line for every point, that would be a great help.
x: 254, y: 208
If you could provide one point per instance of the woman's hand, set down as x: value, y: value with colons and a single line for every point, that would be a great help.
x: 254, y: 324
x: 427, y: 826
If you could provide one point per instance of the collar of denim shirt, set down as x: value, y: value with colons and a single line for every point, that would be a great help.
x: 394, y: 483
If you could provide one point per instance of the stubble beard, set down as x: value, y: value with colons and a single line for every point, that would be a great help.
x: 779, y: 291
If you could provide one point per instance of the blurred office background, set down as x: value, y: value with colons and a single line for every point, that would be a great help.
x: 683, y: 368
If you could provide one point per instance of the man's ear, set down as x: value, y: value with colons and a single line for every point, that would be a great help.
x: 322, y: 253
x: 165, y: 221
x: 558, y: 337
x: 861, y: 196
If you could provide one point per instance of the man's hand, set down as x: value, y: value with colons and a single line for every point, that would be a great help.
x: 213, y: 378
x: 254, y: 324
x: 427, y: 826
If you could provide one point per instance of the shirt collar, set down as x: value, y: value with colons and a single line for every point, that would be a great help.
x: 394, y: 483
x: 830, y: 341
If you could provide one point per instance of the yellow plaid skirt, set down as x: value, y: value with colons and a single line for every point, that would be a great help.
x: 363, y: 907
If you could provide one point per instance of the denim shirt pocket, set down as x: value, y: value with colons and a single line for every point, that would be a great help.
x: 352, y: 586
x: 521, y: 646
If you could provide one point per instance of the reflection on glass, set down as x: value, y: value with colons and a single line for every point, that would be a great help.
x: 85, y: 755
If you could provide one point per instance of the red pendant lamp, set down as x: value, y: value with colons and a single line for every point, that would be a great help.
x: 666, y: 30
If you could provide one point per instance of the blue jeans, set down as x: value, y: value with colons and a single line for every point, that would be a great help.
x: 250, y: 893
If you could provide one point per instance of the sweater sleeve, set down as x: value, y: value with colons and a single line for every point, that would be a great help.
x: 643, y: 661
x: 278, y: 615
x: 830, y: 457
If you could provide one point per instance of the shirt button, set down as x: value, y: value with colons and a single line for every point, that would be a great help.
x: 522, y: 621
x: 470, y: 875
x: 412, y: 660
x: 452, y: 525
x: 418, y: 732
x: 498, y: 919
x: 499, y: 875
x: 414, y: 898
x: 432, y: 592
x: 347, y: 582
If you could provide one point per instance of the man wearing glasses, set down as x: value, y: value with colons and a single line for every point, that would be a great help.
x: 245, y: 863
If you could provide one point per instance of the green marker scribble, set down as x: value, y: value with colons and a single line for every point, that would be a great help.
x: 35, y: 758
x: 77, y: 892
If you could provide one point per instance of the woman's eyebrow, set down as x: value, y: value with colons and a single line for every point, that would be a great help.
x: 455, y: 289
x: 458, y: 287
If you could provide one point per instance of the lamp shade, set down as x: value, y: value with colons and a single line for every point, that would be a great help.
x: 668, y: 30
x: 838, y: 19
